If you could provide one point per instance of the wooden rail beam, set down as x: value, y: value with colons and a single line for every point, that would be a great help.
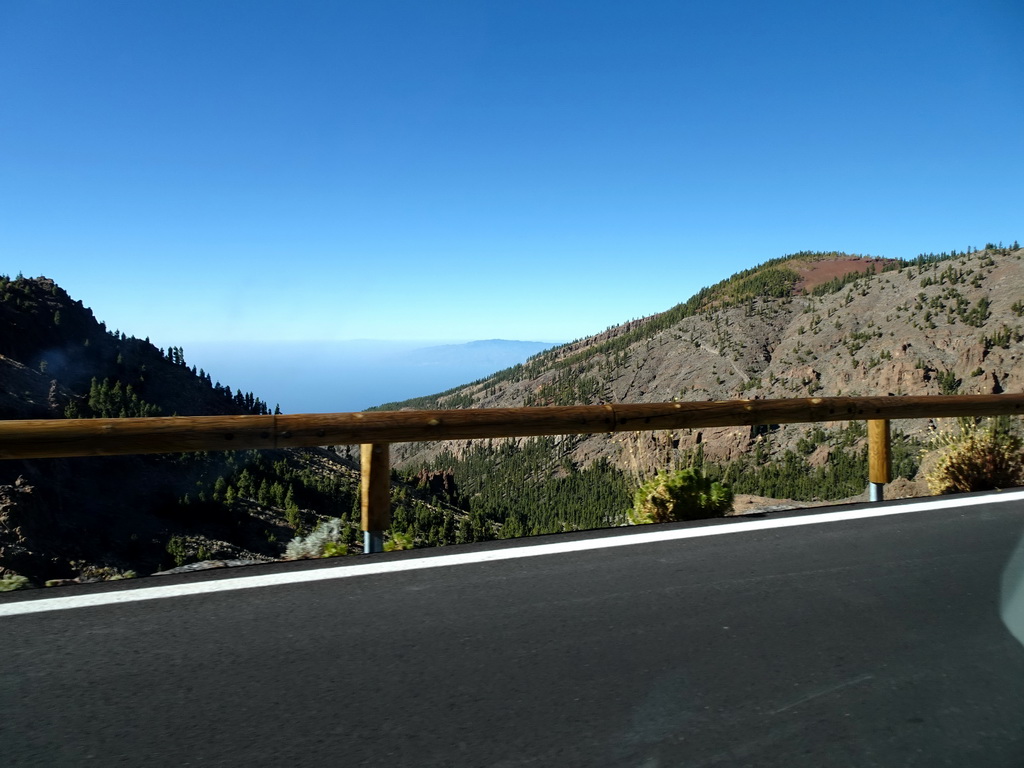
x: 46, y: 438
x: 52, y: 438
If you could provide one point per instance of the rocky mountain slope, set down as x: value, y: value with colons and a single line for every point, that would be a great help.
x: 810, y: 324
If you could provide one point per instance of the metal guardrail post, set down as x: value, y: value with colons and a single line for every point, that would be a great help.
x: 879, y: 458
x: 375, y: 466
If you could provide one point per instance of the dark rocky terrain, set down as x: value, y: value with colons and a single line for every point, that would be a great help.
x: 91, y: 518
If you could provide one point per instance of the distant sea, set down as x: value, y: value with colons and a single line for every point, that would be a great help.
x: 338, y: 377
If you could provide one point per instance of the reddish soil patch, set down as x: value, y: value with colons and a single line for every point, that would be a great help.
x: 815, y: 273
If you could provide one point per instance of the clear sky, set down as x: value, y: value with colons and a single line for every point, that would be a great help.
x: 221, y: 170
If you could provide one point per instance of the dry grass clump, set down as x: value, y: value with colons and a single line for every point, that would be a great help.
x: 978, y: 457
x: 12, y: 581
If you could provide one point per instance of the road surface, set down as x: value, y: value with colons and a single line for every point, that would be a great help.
x: 874, y: 641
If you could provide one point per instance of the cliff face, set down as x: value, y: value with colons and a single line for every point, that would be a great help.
x: 811, y: 326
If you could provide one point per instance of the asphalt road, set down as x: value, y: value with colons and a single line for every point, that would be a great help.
x: 868, y: 642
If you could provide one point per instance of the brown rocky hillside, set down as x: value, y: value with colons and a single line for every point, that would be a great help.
x: 813, y: 324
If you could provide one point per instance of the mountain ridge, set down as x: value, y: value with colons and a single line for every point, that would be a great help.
x: 809, y: 324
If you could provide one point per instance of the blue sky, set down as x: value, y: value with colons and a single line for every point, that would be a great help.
x: 252, y: 171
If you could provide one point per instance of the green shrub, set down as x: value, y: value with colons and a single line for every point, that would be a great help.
x: 978, y: 458
x: 397, y: 540
x: 183, y: 549
x: 682, y: 495
x: 90, y: 573
x: 178, y: 549
x: 335, y: 549
x: 949, y: 384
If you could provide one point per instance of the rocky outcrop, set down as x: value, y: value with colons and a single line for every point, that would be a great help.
x: 26, y: 527
x: 439, y: 484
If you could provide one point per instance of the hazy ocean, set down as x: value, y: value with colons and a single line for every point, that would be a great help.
x: 335, y: 377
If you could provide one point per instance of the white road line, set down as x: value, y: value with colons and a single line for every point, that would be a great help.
x: 469, y: 558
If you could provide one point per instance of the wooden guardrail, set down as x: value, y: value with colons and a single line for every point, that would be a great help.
x: 51, y: 438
